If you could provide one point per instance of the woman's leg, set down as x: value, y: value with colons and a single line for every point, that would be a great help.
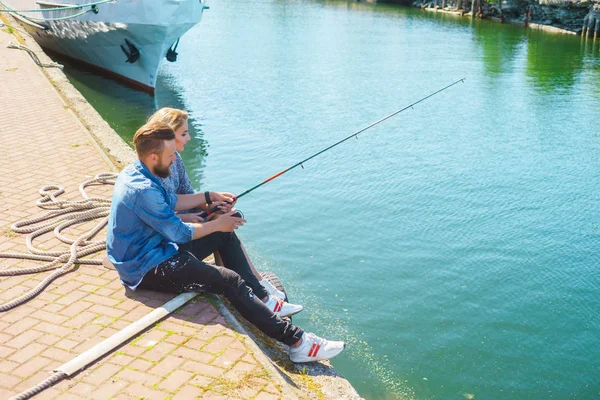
x: 234, y: 257
x: 219, y: 262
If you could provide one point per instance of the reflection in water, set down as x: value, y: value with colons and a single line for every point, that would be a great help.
x: 499, y: 46
x: 81, y: 30
x: 553, y: 61
x: 123, y: 108
x: 126, y: 109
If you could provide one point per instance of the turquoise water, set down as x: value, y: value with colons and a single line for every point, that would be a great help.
x: 455, y: 246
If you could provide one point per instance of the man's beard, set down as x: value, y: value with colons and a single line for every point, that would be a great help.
x: 161, y: 170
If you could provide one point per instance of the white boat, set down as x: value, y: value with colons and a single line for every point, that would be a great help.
x: 124, y: 39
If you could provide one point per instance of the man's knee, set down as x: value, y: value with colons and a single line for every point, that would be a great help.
x: 231, y: 278
x: 235, y: 286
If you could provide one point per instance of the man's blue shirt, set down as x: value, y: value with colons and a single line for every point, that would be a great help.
x: 143, y: 229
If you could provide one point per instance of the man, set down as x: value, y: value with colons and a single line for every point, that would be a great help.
x: 151, y: 248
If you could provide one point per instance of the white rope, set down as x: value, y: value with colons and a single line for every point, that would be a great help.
x: 34, y: 57
x: 62, y: 215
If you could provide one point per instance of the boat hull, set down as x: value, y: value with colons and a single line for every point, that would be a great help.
x: 103, y: 41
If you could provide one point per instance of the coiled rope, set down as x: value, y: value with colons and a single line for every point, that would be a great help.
x: 64, y: 214
x: 34, y: 57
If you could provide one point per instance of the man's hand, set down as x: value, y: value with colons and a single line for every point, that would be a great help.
x: 228, y: 223
x: 192, y: 217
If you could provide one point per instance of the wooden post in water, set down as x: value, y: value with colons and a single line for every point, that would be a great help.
x: 472, y: 8
x: 500, y: 8
x: 527, y: 16
x: 596, y: 28
x: 585, y: 24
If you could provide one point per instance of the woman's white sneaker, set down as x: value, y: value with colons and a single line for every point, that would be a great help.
x: 282, y: 308
x: 314, y: 348
x: 272, y: 289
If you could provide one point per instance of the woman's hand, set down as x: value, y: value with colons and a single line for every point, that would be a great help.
x: 225, y: 197
x: 191, y: 217
x: 218, y: 207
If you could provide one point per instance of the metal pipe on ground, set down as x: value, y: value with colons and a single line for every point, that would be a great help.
x: 102, y: 348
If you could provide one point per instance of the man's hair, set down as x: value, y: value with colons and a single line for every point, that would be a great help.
x: 150, y: 138
x: 170, y: 116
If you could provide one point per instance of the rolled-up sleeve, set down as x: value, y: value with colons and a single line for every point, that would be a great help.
x: 152, y: 207
x: 172, y: 200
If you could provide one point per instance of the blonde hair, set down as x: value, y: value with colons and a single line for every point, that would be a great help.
x: 150, y: 138
x: 170, y: 116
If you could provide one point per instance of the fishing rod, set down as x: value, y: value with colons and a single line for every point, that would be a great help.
x: 355, y: 134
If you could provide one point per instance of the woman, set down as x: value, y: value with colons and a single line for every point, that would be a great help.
x: 178, y: 182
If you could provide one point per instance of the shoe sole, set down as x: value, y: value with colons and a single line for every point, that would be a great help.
x: 289, y: 315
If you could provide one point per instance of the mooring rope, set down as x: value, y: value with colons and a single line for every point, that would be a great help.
x: 34, y: 57
x: 94, y: 10
x: 93, y: 7
x: 57, y: 7
x: 63, y: 214
x: 39, y: 388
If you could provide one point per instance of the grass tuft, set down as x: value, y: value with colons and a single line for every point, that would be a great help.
x: 311, y: 385
x: 9, y: 233
x: 232, y: 387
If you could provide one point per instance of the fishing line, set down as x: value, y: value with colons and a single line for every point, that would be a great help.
x: 355, y: 134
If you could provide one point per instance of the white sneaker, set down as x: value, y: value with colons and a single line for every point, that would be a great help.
x: 281, y: 308
x: 272, y: 289
x: 314, y: 348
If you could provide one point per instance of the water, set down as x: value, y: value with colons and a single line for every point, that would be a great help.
x: 455, y: 246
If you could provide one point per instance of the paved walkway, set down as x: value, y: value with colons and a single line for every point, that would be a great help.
x: 190, y: 354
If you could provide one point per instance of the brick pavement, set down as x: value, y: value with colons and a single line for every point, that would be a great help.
x: 190, y: 354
